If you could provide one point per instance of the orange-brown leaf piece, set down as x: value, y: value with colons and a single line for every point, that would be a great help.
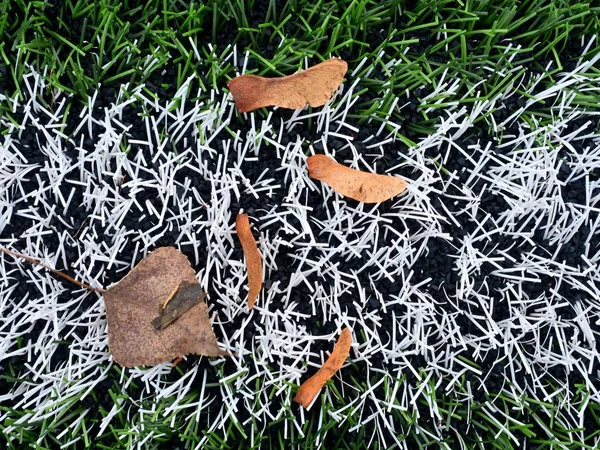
x: 313, y: 385
x: 133, y: 303
x: 253, y: 259
x: 313, y: 86
x: 362, y: 186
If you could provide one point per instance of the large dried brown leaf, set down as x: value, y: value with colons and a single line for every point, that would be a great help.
x: 134, y: 302
x: 313, y: 86
x: 362, y: 186
x: 253, y: 259
x: 311, y: 387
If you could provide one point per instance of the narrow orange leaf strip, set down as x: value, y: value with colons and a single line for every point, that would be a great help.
x: 313, y: 385
x: 253, y: 259
x: 313, y: 86
x: 365, y: 187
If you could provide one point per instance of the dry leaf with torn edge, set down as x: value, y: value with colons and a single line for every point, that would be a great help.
x: 142, y: 328
x: 365, y: 187
x: 311, y: 387
x: 253, y: 259
x: 313, y: 86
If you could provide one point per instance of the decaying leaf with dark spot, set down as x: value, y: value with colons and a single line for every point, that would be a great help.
x: 362, y: 186
x: 185, y: 298
x: 313, y: 86
x: 135, y: 301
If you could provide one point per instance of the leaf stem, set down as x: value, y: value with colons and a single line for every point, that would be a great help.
x: 54, y: 271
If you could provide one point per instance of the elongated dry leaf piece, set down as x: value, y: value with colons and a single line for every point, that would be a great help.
x: 313, y: 86
x: 186, y: 296
x: 362, y: 186
x: 253, y: 259
x: 311, y: 387
x: 135, y: 301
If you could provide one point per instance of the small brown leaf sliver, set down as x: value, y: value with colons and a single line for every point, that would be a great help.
x: 253, y: 259
x: 133, y: 303
x: 169, y: 297
x: 365, y: 187
x: 185, y: 298
x: 311, y: 387
x: 314, y: 86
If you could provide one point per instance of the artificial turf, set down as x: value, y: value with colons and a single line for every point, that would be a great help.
x: 474, y: 299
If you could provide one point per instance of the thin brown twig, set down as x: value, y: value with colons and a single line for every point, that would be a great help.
x: 54, y: 271
x: 177, y: 361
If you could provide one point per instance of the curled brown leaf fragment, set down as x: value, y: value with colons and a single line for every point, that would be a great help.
x: 185, y: 297
x: 253, y: 259
x: 135, y: 338
x: 313, y: 86
x: 365, y: 187
x: 311, y: 387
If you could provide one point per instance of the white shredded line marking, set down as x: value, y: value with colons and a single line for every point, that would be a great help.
x: 112, y: 178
